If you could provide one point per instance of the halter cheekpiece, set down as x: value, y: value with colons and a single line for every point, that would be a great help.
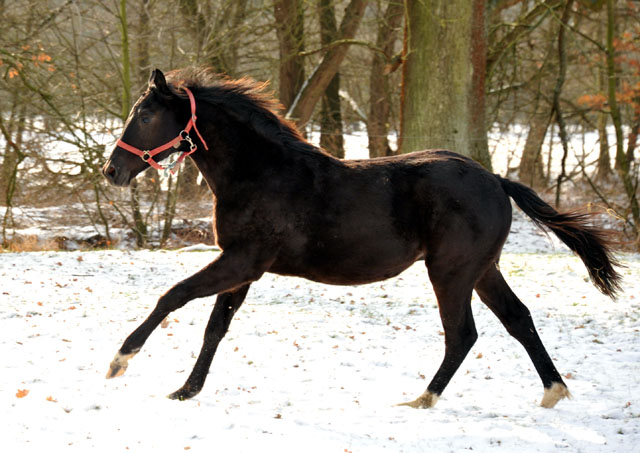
x: 183, y: 136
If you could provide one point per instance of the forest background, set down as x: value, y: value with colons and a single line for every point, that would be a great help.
x: 406, y: 75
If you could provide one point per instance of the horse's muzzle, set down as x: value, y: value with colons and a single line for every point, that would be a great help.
x: 114, y: 176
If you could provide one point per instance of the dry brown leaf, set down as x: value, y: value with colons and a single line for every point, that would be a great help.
x: 22, y: 393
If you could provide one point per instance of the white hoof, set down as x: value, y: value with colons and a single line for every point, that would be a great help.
x: 119, y: 365
x: 555, y: 393
x: 424, y: 401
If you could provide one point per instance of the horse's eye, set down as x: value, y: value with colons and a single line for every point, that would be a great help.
x: 145, y: 119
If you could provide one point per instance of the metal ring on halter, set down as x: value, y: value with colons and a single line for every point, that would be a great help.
x: 145, y: 156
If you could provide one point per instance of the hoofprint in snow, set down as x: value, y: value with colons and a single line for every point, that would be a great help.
x: 309, y: 367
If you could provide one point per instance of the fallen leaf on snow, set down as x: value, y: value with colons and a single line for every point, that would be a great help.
x: 22, y: 393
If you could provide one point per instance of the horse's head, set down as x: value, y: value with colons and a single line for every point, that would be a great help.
x: 151, y: 133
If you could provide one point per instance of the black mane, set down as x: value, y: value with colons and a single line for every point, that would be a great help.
x: 246, y: 101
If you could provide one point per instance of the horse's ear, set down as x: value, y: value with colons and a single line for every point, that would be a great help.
x: 157, y: 81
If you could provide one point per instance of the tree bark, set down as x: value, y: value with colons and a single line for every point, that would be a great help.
x: 12, y: 160
x: 289, y: 17
x: 313, y: 88
x: 623, y: 166
x: 379, y: 92
x: 557, y: 110
x: 603, y: 169
x: 139, y: 228
x: 531, y: 168
x: 143, y: 62
x: 477, y: 123
x: 330, y: 114
x: 439, y: 86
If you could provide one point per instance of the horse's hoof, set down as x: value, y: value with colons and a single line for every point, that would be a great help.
x: 553, y: 394
x: 119, y: 365
x: 115, y: 371
x: 425, y: 401
x: 183, y: 394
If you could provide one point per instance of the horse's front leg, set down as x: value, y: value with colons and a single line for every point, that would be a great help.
x: 232, y: 270
x: 226, y: 306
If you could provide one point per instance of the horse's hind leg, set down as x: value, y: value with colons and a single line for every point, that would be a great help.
x: 496, y: 294
x: 453, y: 291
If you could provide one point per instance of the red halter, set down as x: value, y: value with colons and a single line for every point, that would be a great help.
x: 147, y: 155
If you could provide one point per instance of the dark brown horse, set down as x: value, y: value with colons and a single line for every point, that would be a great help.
x: 284, y: 206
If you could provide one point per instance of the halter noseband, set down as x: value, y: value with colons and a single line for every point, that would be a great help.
x: 147, y: 155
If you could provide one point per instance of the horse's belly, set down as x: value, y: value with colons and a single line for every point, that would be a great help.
x: 346, y: 266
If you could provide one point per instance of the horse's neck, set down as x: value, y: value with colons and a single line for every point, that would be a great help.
x: 219, y: 164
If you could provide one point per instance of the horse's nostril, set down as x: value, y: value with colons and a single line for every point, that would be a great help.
x: 109, y: 171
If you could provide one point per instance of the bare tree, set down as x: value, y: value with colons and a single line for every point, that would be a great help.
x: 316, y: 84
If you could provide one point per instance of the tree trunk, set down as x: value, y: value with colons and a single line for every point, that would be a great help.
x: 531, y: 169
x: 139, y: 228
x: 603, y: 169
x: 313, y: 88
x: 239, y: 15
x: 12, y: 159
x: 330, y: 114
x: 143, y: 36
x: 439, y: 85
x: 143, y: 64
x: 11, y: 150
x: 126, y: 61
x: 195, y: 20
x: 479, y: 47
x: 289, y: 17
x: 632, y: 141
x: 557, y: 110
x: 379, y: 92
x: 623, y: 166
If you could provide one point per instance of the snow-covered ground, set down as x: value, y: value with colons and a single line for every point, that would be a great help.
x: 308, y: 367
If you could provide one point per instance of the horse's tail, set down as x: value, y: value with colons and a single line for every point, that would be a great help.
x: 593, y: 245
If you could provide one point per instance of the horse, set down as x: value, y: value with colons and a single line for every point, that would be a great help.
x: 284, y: 206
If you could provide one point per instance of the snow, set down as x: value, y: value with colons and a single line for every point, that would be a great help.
x: 309, y: 367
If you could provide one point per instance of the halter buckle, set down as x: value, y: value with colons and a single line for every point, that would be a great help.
x: 145, y: 155
x: 185, y: 137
